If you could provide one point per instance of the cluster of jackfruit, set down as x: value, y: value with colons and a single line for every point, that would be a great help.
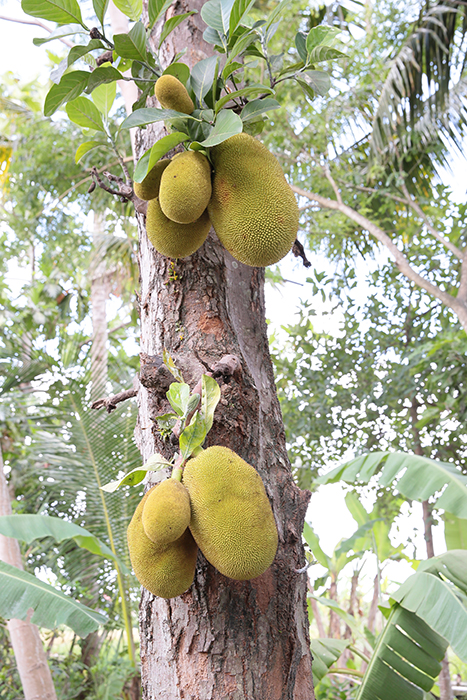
x: 221, y: 507
x: 246, y: 198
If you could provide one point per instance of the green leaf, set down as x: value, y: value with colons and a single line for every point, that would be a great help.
x: 257, y: 107
x: 203, y: 75
x: 210, y: 397
x: 171, y: 366
x: 78, y: 51
x: 156, y: 9
x: 239, y: 11
x: 100, y: 8
x: 130, y: 8
x: 216, y: 14
x: 210, y: 36
x: 325, y: 653
x: 241, y: 44
x: 415, y: 477
x: 148, y: 115
x: 179, y: 70
x: 313, y: 542
x: 345, y: 616
x: 84, y: 113
x: 172, y: 23
x: 322, y: 35
x: 133, y: 44
x: 178, y: 396
x: 21, y: 591
x: 278, y: 10
x: 227, y: 124
x: 160, y: 148
x: 324, y: 53
x: 356, y: 509
x: 300, y: 43
x: 231, y: 68
x: 318, y: 80
x: 136, y: 476
x: 60, y: 32
x: 69, y: 87
x: 85, y: 148
x: 351, y: 542
x: 103, y: 97
x: 256, y: 89
x: 102, y: 75
x: 193, y: 436
x: 455, y: 531
x: 59, y: 11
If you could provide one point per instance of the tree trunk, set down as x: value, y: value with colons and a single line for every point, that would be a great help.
x: 222, y: 638
x: 31, y: 659
x: 334, y: 620
x: 99, y: 294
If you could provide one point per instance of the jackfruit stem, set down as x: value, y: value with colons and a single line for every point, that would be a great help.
x: 177, y: 473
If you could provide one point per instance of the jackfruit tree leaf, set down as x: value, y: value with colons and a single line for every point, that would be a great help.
x: 255, y: 89
x: 300, y: 43
x: 84, y: 113
x: 216, y: 14
x: 239, y: 11
x: 179, y: 70
x: 60, y: 32
x: 322, y: 35
x: 325, y: 653
x: 178, y: 396
x: 210, y: 36
x: 22, y: 591
x: 318, y: 80
x: 59, y: 11
x: 156, y: 9
x: 133, y: 44
x: 257, y: 107
x: 203, y: 75
x: 172, y: 23
x: 277, y: 12
x: 149, y: 115
x: 130, y: 8
x: 455, y: 531
x: 210, y: 397
x: 193, y: 436
x: 323, y: 53
x: 78, y: 51
x: 227, y: 124
x: 309, y: 92
x: 104, y: 96
x: 242, y: 43
x: 102, y: 75
x: 100, y: 8
x: 171, y: 366
x: 192, y: 404
x: 155, y: 153
x: 69, y: 87
x: 231, y: 68
x: 85, y: 148
x: 136, y: 476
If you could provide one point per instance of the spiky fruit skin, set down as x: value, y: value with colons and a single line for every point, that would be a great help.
x: 149, y: 187
x: 252, y: 208
x: 185, y: 188
x: 172, y: 239
x: 166, y: 571
x: 172, y: 94
x: 231, y: 518
x: 166, y: 512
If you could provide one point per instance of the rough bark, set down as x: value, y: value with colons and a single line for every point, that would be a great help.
x: 222, y: 638
x: 31, y: 659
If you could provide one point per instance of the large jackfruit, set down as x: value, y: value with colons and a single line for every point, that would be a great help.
x: 172, y: 239
x: 172, y: 94
x: 252, y: 208
x: 166, y: 512
x: 149, y: 187
x: 185, y: 188
x: 166, y: 571
x: 231, y: 518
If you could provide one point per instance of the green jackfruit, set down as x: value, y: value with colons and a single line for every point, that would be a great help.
x: 166, y: 571
x: 172, y: 94
x: 231, y: 518
x: 172, y: 239
x: 252, y: 208
x: 166, y: 512
x: 185, y: 188
x: 149, y: 187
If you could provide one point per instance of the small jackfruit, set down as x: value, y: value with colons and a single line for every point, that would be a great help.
x: 149, y: 187
x: 185, y: 188
x: 252, y: 208
x: 172, y: 94
x: 231, y: 518
x: 172, y: 239
x: 166, y: 512
x: 166, y: 571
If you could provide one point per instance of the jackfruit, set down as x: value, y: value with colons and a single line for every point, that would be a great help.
x: 166, y: 571
x: 231, y: 518
x: 172, y: 239
x: 172, y: 94
x: 185, y: 188
x: 149, y: 187
x: 252, y: 208
x: 166, y: 512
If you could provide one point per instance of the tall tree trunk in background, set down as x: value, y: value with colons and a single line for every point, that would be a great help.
x: 100, y: 289
x: 222, y: 638
x: 31, y: 659
x: 334, y: 620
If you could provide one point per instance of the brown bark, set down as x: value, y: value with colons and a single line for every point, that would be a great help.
x: 334, y: 621
x: 222, y: 638
x: 31, y: 659
x: 374, y: 605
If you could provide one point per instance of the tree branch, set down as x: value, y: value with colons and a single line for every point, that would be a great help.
x: 37, y: 24
x: 110, y: 402
x: 125, y: 191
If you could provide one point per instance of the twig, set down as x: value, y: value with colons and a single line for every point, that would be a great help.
x: 37, y: 24
x: 110, y: 402
x: 299, y: 251
x: 125, y: 191
x: 329, y: 177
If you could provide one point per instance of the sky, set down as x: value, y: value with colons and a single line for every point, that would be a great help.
x: 327, y: 513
